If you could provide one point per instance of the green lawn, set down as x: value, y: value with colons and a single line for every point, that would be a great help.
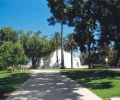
x: 11, y: 81
x: 103, y: 83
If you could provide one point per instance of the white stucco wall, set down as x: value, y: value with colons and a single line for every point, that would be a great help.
x: 51, y: 60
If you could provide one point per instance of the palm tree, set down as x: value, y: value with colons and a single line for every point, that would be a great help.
x: 70, y: 46
x: 56, y: 42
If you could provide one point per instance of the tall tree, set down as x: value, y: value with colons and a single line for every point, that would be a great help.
x: 70, y: 46
x: 77, y: 15
x: 59, y: 16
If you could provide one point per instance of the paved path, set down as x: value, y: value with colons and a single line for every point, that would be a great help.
x: 51, y: 85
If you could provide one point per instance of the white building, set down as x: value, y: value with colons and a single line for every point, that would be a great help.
x: 51, y: 60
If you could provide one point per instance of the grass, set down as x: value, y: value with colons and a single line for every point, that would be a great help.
x: 104, y: 83
x: 10, y: 81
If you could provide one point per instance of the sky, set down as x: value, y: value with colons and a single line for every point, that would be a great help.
x: 28, y: 15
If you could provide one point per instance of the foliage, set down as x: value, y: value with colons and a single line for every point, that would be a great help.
x: 56, y: 42
x: 8, y: 34
x: 88, y: 16
x: 57, y: 7
x: 12, y: 54
x: 84, y: 26
x: 56, y: 39
x: 70, y: 44
x: 36, y: 47
x: 17, y: 46
x: 98, y: 58
x: 11, y: 51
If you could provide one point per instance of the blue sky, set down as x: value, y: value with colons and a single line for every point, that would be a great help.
x: 28, y: 15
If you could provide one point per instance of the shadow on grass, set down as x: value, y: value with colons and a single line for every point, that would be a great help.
x: 102, y: 85
x: 91, y: 78
x: 11, y: 83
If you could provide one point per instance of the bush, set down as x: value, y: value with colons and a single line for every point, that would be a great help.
x: 17, y: 68
x: 11, y: 69
x: 99, y: 66
x: 24, y: 68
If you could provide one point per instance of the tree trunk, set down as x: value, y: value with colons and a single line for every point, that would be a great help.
x: 62, y: 47
x: 71, y: 58
x: 57, y: 57
x: 34, y: 65
x: 89, y: 56
x: 38, y: 62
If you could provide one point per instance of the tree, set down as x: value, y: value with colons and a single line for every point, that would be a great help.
x: 36, y: 47
x: 109, y: 12
x: 93, y: 12
x: 19, y: 54
x: 77, y: 16
x: 58, y: 9
x: 84, y: 38
x: 12, y: 54
x: 8, y: 34
x: 31, y: 47
x: 59, y: 16
x: 11, y: 51
x: 6, y: 52
x: 71, y: 46
x: 56, y: 38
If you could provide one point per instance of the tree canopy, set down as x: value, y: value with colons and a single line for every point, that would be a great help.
x: 11, y: 50
x: 36, y: 47
x: 88, y: 16
x: 17, y: 47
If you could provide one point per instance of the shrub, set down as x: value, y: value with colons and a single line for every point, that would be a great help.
x: 11, y: 69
